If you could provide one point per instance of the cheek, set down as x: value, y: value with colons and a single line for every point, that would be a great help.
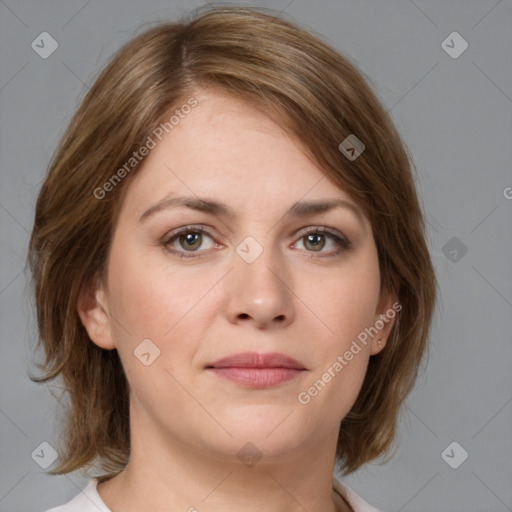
x: 146, y: 302
x: 348, y: 300
x: 346, y: 304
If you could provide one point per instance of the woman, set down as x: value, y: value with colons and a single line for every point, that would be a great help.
x: 230, y: 272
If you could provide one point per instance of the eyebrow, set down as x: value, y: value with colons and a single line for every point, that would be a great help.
x: 206, y: 205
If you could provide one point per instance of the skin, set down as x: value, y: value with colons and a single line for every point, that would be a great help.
x: 188, y: 424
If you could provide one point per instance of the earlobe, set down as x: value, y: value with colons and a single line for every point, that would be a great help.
x: 92, y: 308
x: 378, y: 345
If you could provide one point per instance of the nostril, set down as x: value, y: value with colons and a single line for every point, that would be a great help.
x: 244, y: 315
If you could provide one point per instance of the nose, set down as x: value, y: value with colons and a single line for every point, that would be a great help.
x: 260, y: 293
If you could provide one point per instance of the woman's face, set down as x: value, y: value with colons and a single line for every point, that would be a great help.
x: 247, y: 263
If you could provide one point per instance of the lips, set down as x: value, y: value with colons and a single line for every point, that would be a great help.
x: 256, y: 360
x: 254, y: 370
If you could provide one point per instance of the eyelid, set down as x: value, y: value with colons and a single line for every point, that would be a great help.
x: 199, y: 228
x: 322, y: 230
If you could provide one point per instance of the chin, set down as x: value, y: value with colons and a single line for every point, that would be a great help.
x: 273, y: 435
x: 249, y: 449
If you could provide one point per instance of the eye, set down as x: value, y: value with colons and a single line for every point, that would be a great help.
x: 187, y: 239
x: 315, y: 240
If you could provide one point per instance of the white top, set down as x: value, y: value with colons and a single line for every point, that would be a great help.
x: 89, y: 500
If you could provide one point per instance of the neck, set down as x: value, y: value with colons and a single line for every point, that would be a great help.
x: 164, y: 472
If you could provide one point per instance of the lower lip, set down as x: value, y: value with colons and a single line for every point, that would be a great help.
x: 257, y: 377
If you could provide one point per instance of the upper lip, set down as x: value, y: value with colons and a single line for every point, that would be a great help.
x: 257, y: 360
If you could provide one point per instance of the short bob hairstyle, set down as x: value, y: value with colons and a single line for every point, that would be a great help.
x: 316, y: 95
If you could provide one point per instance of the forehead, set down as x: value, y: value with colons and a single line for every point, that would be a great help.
x: 231, y: 150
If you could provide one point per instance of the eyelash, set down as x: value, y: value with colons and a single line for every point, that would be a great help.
x: 343, y: 243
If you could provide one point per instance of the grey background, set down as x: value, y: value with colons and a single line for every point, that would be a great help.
x: 456, y: 118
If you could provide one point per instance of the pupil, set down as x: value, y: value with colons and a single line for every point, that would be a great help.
x: 315, y: 241
x: 191, y: 239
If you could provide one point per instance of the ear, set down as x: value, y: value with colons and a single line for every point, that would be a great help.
x: 385, y: 316
x: 92, y: 307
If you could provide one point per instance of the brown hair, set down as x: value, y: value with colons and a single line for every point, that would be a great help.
x: 319, y: 97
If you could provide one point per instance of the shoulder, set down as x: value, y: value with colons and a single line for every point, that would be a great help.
x: 351, y: 497
x: 87, y: 500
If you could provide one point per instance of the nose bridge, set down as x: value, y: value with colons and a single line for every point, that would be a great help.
x: 257, y: 286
